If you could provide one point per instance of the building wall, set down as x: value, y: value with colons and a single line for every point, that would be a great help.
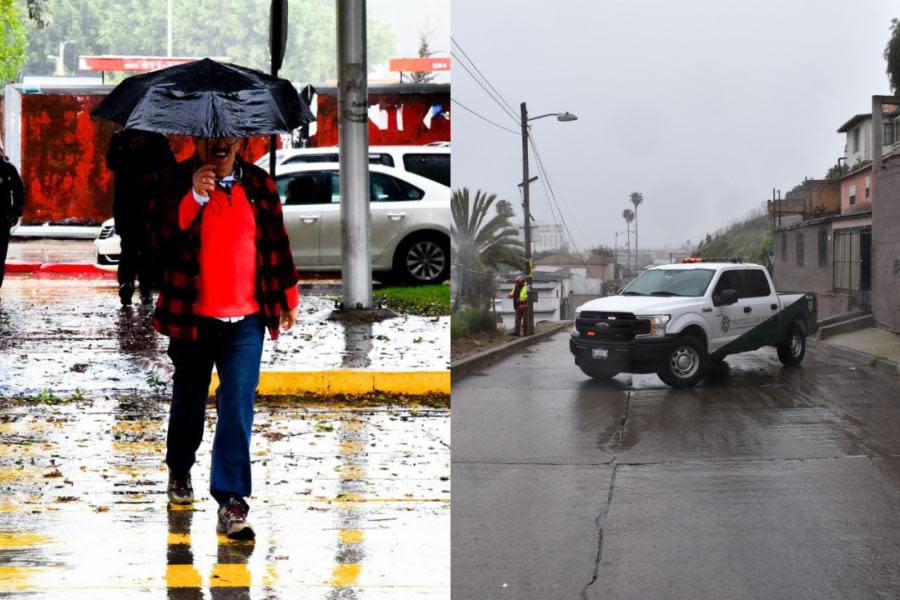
x: 886, y: 249
x: 858, y: 179
x: 811, y: 277
x: 863, y: 151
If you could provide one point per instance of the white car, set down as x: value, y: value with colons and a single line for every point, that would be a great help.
x: 410, y: 222
x: 432, y: 161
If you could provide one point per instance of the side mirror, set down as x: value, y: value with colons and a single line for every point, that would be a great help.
x: 726, y: 298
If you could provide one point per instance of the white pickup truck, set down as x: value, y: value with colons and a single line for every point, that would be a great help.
x: 674, y: 320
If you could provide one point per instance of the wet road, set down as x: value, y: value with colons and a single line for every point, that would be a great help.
x: 349, y: 503
x: 70, y: 337
x: 763, y: 482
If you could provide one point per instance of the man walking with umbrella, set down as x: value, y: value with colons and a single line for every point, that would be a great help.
x: 228, y: 274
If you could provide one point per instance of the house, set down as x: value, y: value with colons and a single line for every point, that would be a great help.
x: 589, y: 278
x: 551, y: 294
x: 823, y: 229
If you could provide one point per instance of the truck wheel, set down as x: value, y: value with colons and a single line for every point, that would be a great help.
x: 685, y: 363
x: 792, y: 350
x: 597, y: 373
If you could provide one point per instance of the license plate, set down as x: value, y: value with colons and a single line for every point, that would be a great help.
x: 599, y: 352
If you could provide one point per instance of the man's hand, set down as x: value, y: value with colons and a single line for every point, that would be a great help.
x: 205, y: 180
x: 288, y: 318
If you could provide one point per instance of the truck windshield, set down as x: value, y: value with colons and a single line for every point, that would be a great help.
x: 670, y: 282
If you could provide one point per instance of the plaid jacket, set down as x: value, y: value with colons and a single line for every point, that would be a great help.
x: 177, y: 251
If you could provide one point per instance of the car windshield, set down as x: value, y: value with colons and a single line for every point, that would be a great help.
x: 670, y: 282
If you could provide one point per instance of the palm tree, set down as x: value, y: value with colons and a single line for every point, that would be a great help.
x: 481, y: 244
x: 636, y: 199
x: 628, y: 215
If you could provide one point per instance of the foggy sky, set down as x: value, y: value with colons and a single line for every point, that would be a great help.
x: 703, y: 106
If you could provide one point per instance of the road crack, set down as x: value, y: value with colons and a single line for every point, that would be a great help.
x: 601, y: 520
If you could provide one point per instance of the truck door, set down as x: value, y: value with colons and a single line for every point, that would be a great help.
x: 759, y: 310
x: 724, y: 319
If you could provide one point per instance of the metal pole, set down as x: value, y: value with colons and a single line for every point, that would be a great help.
x: 353, y: 126
x: 529, y: 316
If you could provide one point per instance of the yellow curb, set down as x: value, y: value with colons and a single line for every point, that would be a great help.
x: 348, y: 382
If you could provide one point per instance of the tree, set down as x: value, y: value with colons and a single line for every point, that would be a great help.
x: 636, y: 198
x: 238, y: 30
x: 837, y: 171
x: 628, y: 215
x: 505, y: 207
x: 481, y: 245
x: 12, y: 52
x: 892, y: 56
x: 424, y: 52
x: 603, y: 252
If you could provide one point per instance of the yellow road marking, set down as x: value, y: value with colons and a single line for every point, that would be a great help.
x: 230, y: 575
x: 18, y: 579
x: 352, y: 446
x: 348, y: 382
x: 21, y: 540
x: 183, y: 576
x: 345, y: 574
x: 350, y: 536
x: 179, y: 538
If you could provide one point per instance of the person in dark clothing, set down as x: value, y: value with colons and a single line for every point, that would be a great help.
x: 12, y: 200
x: 137, y: 158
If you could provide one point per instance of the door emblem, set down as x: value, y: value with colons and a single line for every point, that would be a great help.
x: 726, y: 324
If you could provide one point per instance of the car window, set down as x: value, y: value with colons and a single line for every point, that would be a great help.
x: 435, y: 167
x: 381, y: 159
x: 304, y: 188
x: 670, y: 282
x: 312, y: 158
x: 729, y: 280
x: 385, y: 188
x: 755, y: 284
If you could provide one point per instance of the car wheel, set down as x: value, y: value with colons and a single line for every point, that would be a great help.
x: 792, y: 350
x: 423, y: 259
x: 597, y: 373
x: 685, y: 363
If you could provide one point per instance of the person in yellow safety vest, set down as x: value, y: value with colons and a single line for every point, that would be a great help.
x: 519, y: 295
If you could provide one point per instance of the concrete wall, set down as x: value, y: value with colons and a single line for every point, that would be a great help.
x: 858, y: 179
x: 886, y: 249
x: 863, y: 151
x: 810, y: 277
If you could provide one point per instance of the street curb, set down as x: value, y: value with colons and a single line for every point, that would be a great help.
x: 464, y: 367
x: 848, y: 325
x: 349, y: 382
x: 884, y: 365
x: 60, y: 269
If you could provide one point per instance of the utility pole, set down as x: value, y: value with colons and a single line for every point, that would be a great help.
x: 529, y: 317
x: 169, y: 29
x: 353, y: 123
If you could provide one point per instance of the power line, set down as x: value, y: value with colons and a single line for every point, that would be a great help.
x: 472, y: 62
x: 483, y: 118
x: 490, y: 94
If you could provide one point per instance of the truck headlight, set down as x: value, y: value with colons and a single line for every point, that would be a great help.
x: 657, y: 325
x: 575, y: 323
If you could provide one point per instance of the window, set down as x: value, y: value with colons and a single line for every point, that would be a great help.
x: 670, y: 282
x: 433, y: 166
x: 867, y: 187
x: 888, y: 133
x: 728, y: 280
x: 784, y: 247
x: 754, y: 284
x: 852, y: 260
x: 799, y: 249
x: 385, y: 188
x: 823, y: 247
x: 305, y: 188
x: 852, y: 194
x: 311, y: 158
x: 856, y: 140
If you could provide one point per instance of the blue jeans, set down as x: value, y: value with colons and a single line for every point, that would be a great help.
x: 236, y: 350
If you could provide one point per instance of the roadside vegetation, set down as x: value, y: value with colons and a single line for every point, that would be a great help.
x: 422, y: 300
x: 749, y: 239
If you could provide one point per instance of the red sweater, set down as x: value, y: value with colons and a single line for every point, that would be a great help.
x: 227, y: 282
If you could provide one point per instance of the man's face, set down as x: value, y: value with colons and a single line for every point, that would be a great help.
x: 220, y: 153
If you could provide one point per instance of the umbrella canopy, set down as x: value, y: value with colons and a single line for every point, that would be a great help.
x: 206, y: 99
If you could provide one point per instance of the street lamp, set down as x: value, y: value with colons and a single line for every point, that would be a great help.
x: 60, y: 70
x: 562, y: 117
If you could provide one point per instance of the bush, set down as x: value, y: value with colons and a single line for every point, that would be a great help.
x: 466, y: 322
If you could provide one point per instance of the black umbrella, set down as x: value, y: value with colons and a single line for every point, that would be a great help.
x: 206, y: 99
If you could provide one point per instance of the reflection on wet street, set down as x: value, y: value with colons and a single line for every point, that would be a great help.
x: 65, y: 338
x: 348, y: 502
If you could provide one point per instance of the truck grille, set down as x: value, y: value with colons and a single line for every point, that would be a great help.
x: 610, y: 326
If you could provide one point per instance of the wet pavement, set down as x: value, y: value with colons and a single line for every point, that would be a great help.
x: 349, y: 503
x: 70, y: 338
x: 763, y: 482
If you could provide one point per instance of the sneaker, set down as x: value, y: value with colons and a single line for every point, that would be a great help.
x: 126, y: 291
x: 233, y: 520
x: 180, y: 490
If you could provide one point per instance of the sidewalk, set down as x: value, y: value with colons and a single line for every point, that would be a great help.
x: 874, y: 342
x: 70, y: 337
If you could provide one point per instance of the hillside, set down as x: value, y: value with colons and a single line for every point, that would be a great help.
x: 749, y: 239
